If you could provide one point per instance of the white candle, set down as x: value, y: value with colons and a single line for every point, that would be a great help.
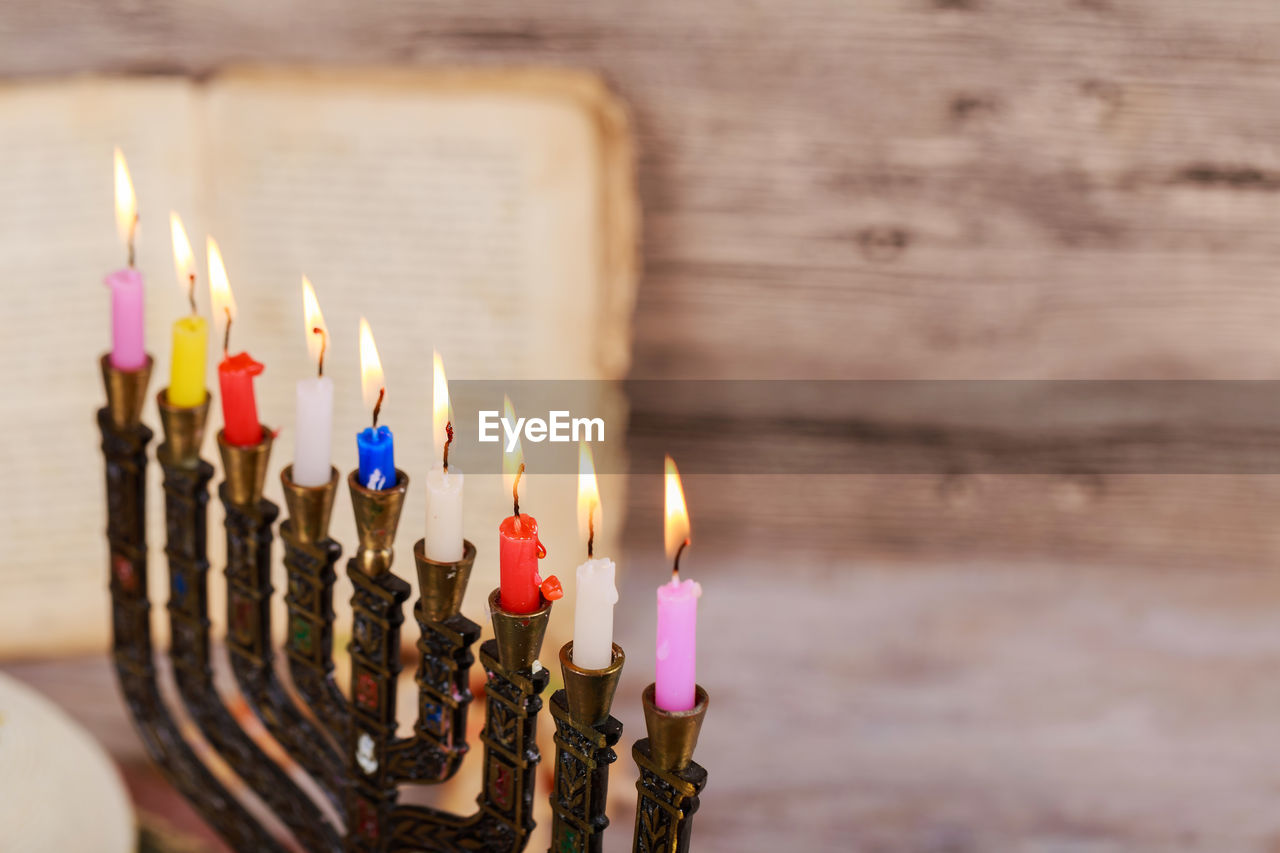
x: 593, y: 613
x: 444, y: 515
x: 444, y: 485
x: 313, y: 444
x: 313, y: 427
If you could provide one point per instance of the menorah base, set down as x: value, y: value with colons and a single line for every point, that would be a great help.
x: 364, y: 778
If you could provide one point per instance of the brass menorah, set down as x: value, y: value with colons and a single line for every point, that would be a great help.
x: 347, y: 742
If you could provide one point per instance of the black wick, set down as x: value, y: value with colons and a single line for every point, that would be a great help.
x: 448, y: 440
x: 675, y: 569
x: 191, y: 291
x: 226, y: 335
x: 591, y: 531
x: 515, y: 491
x: 377, y: 407
x: 324, y: 343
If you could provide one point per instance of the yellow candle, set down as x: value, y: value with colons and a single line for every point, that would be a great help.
x: 191, y: 333
x: 186, y: 370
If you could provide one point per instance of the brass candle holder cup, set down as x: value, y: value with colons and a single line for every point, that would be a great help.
x: 310, y: 507
x: 377, y: 517
x: 442, y: 585
x: 589, y: 692
x: 245, y: 468
x: 519, y: 635
x: 126, y: 392
x: 673, y: 735
x: 183, y: 430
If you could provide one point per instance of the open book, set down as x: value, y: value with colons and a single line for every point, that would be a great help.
x: 490, y: 215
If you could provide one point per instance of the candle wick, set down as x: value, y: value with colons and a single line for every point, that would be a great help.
x: 324, y: 343
x: 675, y: 569
x: 226, y: 334
x: 591, y: 531
x: 448, y: 440
x: 515, y: 492
x: 133, y: 229
x: 377, y: 407
x: 191, y: 292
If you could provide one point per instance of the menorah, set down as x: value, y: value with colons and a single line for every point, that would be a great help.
x: 347, y: 742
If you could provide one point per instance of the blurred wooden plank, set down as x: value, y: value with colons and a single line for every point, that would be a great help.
x: 876, y: 189
x: 943, y: 188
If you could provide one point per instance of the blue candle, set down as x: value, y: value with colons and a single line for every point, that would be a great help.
x: 376, y: 446
x: 377, y: 457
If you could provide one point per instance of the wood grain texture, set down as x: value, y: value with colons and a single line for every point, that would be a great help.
x: 894, y: 188
x: 924, y: 188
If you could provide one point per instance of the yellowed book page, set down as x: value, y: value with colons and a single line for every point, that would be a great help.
x: 488, y: 215
x: 57, y: 241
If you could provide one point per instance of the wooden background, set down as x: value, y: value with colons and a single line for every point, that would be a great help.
x: 913, y: 189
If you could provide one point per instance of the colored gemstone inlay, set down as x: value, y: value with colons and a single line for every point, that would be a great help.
x: 302, y: 635
x: 367, y: 819
x: 367, y: 691
x: 125, y: 574
x: 501, y: 786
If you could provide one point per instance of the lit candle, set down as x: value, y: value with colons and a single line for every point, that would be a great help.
x: 128, y: 352
x: 676, y: 652
x: 519, y: 549
x: 593, y: 613
x: 235, y: 373
x: 444, y: 482
x: 313, y: 425
x: 375, y: 445
x: 190, y: 333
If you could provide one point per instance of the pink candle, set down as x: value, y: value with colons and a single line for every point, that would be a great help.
x: 127, y: 349
x: 674, y: 675
x: 674, y: 669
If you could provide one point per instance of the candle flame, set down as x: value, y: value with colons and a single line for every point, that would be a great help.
x: 224, y: 304
x: 184, y: 262
x: 371, y: 381
x: 440, y: 415
x: 511, y: 461
x: 676, y: 528
x: 313, y: 320
x: 126, y: 201
x: 588, y: 496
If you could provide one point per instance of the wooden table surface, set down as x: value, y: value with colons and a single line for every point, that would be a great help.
x: 1014, y: 707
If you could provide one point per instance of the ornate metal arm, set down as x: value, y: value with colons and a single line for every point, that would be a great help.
x: 436, y: 750
x: 124, y: 446
x: 445, y: 638
x: 309, y: 558
x: 585, y: 735
x: 669, y: 781
x: 186, y: 501
x: 505, y: 817
x: 249, y: 590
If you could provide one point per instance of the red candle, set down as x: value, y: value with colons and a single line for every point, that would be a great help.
x: 235, y: 374
x: 239, y: 408
x: 518, y: 553
x: 521, y: 589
